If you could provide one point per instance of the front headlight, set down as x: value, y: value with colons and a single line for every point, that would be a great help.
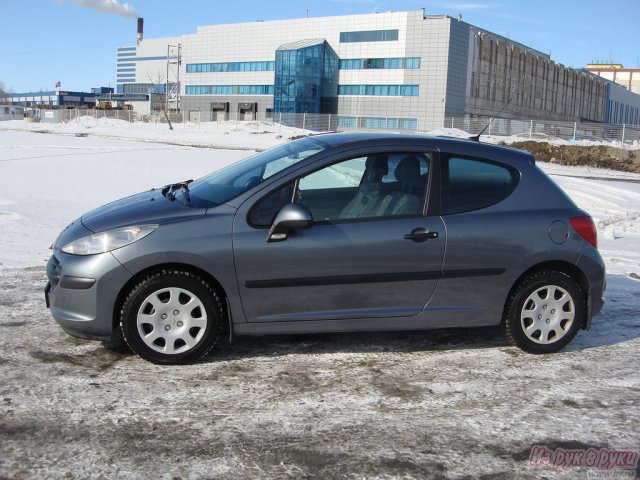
x: 109, y: 240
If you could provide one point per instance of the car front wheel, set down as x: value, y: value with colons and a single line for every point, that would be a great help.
x: 171, y: 317
x: 544, y: 312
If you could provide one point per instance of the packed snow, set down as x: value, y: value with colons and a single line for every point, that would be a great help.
x: 446, y: 404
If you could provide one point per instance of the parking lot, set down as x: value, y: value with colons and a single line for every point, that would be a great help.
x: 450, y: 404
x: 446, y: 404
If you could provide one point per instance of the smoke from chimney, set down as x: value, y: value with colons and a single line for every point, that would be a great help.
x: 140, y: 29
x: 108, y: 6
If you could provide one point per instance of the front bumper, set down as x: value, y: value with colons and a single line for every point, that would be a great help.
x: 82, y: 292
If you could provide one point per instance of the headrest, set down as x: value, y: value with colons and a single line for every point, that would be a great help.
x: 408, y: 169
x: 378, y: 164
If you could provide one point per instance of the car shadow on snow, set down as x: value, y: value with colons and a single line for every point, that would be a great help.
x: 367, y: 342
x: 618, y: 321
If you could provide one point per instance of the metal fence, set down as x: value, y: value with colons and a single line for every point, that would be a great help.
x: 533, y: 129
x: 316, y: 122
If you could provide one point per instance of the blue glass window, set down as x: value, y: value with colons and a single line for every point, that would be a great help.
x: 412, y: 62
x: 372, y: 122
x: 349, y: 122
x: 379, y: 90
x: 143, y: 88
x: 379, y: 63
x: 266, y: 66
x: 369, y: 36
x: 229, y: 90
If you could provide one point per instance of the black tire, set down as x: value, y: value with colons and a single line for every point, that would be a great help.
x: 198, y: 319
x: 535, y: 329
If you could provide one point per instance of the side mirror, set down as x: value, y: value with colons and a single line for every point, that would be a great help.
x: 290, y: 216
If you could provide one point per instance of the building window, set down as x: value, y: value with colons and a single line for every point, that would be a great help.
x: 347, y: 122
x: 144, y: 88
x: 126, y: 49
x: 122, y: 70
x: 369, y: 36
x: 379, y: 63
x: 379, y: 90
x: 378, y: 123
x: 229, y: 90
x: 266, y: 66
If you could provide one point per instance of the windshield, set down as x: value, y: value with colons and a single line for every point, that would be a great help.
x: 229, y: 182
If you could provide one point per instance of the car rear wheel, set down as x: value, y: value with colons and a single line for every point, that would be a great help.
x: 544, y: 312
x: 171, y: 317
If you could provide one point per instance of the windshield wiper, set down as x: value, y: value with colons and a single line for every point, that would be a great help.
x: 169, y: 191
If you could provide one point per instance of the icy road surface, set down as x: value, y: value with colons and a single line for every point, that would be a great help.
x: 447, y: 404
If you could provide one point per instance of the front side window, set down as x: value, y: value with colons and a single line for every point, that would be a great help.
x: 379, y: 185
x: 374, y: 186
x: 471, y: 184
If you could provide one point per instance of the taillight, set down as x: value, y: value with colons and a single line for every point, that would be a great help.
x: 586, y: 228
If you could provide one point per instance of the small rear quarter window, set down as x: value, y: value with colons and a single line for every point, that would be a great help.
x: 471, y: 184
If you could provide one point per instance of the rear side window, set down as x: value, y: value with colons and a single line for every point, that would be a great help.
x: 471, y: 184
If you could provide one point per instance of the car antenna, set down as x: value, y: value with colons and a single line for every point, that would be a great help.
x: 476, y: 138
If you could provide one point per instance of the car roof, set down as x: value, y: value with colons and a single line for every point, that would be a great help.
x: 447, y: 144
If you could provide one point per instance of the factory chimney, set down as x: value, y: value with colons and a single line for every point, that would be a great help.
x: 140, y: 29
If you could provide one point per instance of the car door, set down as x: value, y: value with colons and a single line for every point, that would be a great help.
x: 372, y: 251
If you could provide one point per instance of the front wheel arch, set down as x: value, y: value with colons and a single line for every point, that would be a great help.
x: 126, y: 288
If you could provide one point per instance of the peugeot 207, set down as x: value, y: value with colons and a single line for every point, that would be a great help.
x: 334, y: 233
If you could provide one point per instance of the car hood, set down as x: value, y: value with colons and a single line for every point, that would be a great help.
x: 144, y: 208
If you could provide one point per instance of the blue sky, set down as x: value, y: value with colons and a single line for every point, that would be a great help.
x: 43, y: 41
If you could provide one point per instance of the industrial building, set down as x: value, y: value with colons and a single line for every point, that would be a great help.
x: 60, y: 99
x: 629, y: 78
x: 400, y: 70
x: 52, y: 99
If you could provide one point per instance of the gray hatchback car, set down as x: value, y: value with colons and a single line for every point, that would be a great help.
x: 334, y: 233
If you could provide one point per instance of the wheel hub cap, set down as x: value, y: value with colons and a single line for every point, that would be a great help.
x: 171, y: 320
x: 548, y: 314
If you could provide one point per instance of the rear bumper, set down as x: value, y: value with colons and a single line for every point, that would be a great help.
x: 594, y: 269
x: 82, y: 292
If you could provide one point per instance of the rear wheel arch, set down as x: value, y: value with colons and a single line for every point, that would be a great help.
x: 560, y: 266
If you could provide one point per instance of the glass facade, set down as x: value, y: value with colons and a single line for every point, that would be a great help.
x: 230, y: 67
x: 228, y: 90
x: 369, y: 36
x: 380, y: 90
x: 306, y: 77
x: 379, y: 63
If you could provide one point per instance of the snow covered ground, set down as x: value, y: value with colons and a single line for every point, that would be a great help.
x: 412, y: 405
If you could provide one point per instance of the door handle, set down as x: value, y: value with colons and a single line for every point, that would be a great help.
x: 420, y: 234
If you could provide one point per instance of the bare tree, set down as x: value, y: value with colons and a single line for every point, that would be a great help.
x: 155, y: 90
